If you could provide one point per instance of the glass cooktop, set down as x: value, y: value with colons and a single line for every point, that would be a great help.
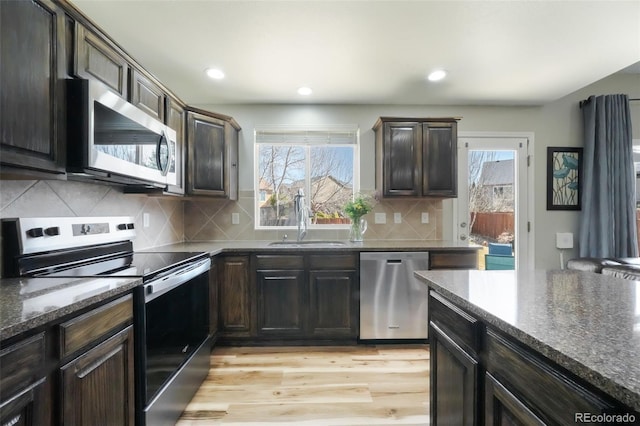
x: 137, y: 264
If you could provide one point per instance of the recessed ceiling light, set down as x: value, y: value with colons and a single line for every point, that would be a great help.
x: 437, y: 75
x: 305, y: 91
x: 215, y: 73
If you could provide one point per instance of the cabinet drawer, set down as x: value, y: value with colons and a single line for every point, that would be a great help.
x: 279, y: 262
x: 89, y: 327
x: 460, y: 326
x: 21, y: 365
x: 453, y: 259
x: 551, y: 394
x: 333, y: 261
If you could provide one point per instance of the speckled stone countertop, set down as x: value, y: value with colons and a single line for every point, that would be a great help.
x: 215, y: 247
x: 585, y: 322
x: 26, y: 303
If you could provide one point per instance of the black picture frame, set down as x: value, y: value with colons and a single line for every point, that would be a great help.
x: 564, y: 178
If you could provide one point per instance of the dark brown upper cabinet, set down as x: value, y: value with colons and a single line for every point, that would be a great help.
x: 31, y: 98
x: 416, y: 157
x: 147, y: 95
x: 212, y: 163
x: 95, y: 58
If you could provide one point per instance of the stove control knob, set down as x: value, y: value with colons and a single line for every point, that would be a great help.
x: 54, y: 230
x: 35, y: 232
x: 122, y: 226
x: 129, y: 225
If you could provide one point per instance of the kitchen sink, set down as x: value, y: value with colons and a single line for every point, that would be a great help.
x: 310, y: 243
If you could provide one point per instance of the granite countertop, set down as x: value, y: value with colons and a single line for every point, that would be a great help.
x: 585, y: 322
x: 215, y: 247
x: 27, y: 303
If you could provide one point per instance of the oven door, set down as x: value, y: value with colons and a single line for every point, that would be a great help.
x: 173, y: 344
x: 109, y: 135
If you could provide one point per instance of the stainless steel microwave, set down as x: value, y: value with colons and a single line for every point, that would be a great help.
x: 110, y: 139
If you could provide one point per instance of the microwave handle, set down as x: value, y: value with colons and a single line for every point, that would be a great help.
x: 164, y: 170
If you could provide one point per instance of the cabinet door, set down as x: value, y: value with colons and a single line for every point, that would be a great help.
x: 281, y: 302
x: 31, y: 72
x: 332, y: 304
x: 440, y: 159
x: 27, y: 408
x: 502, y: 408
x: 235, y: 295
x: 147, y: 95
x: 24, y: 397
x: 207, y: 156
x: 453, y: 381
x: 95, y: 59
x: 402, y: 159
x: 98, y: 386
x: 175, y: 119
x: 554, y: 396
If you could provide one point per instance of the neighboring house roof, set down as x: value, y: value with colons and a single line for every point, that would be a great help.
x: 496, y: 173
x: 264, y: 185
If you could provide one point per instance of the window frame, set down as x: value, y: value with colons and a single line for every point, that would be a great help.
x: 301, y: 131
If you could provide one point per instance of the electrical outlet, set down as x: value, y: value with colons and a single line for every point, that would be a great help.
x: 397, y: 218
x: 425, y: 217
x: 380, y: 218
x: 145, y: 220
x: 564, y: 240
x: 235, y: 218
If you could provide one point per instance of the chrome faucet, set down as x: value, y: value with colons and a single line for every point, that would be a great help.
x: 302, y: 216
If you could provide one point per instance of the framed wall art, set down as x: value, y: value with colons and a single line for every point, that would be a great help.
x: 564, y: 175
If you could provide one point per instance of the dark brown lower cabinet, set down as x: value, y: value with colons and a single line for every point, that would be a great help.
x: 285, y: 297
x: 453, y: 259
x: 454, y: 376
x: 27, y: 407
x: 98, y: 386
x: 541, y: 387
x: 281, y: 301
x: 503, y: 408
x: 333, y: 305
x: 234, y: 296
x: 479, y: 375
x: 24, y: 398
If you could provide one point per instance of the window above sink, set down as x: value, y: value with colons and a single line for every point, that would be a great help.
x: 323, y: 161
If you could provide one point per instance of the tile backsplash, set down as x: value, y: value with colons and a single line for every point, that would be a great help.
x: 50, y: 198
x: 210, y: 219
x: 174, y: 219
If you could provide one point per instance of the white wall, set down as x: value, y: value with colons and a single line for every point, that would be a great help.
x: 555, y: 124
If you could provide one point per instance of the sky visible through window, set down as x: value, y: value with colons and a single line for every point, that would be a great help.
x: 325, y: 173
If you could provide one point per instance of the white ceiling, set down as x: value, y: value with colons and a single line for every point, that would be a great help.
x: 374, y: 52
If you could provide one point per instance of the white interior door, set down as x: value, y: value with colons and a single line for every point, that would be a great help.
x: 492, y: 193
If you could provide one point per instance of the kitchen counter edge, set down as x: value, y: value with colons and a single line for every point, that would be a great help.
x: 12, y: 301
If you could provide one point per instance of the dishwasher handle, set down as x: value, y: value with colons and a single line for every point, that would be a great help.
x: 394, y: 261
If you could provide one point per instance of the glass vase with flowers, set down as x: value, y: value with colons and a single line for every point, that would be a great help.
x: 355, y: 210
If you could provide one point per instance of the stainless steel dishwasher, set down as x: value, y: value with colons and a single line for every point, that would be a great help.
x: 393, y: 303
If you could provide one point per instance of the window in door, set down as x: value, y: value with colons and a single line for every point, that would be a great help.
x: 492, y: 199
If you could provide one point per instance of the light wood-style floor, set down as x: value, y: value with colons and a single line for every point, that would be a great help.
x: 319, y: 386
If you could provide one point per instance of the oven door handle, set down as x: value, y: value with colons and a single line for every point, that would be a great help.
x: 162, y: 285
